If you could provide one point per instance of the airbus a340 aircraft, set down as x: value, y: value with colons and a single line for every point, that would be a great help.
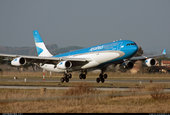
x: 84, y: 60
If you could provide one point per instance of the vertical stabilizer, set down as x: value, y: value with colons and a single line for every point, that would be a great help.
x: 40, y: 46
x: 164, y: 51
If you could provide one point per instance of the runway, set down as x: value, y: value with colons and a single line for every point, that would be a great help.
x: 86, y: 80
x: 66, y: 88
x: 35, y: 80
x: 59, y: 88
x: 123, y: 91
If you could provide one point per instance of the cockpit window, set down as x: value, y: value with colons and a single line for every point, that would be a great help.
x: 131, y: 44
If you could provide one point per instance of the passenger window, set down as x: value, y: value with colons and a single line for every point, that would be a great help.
x: 130, y: 44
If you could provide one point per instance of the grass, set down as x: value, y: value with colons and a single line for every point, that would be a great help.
x: 82, y: 97
x: 87, y: 104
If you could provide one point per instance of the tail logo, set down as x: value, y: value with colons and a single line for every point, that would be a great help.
x: 164, y: 52
x: 39, y: 50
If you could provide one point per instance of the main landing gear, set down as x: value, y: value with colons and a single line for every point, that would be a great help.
x: 101, y: 77
x: 66, y: 77
x: 83, y: 74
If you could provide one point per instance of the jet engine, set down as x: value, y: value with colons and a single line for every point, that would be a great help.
x: 18, y: 61
x: 150, y: 62
x: 127, y: 65
x: 64, y: 65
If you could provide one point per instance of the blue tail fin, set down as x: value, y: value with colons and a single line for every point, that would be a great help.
x: 40, y: 46
x: 164, y: 51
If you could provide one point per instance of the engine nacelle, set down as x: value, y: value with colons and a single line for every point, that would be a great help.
x: 64, y: 65
x: 18, y: 61
x: 127, y: 65
x: 150, y: 62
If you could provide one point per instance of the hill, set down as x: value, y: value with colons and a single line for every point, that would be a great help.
x: 32, y: 51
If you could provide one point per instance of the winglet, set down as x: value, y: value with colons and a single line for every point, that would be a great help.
x: 164, y: 51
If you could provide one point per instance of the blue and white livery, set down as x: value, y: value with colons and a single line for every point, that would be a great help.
x: 84, y: 60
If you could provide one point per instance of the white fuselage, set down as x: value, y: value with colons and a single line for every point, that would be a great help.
x: 96, y: 58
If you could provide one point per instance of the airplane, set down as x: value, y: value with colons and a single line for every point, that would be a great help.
x: 84, y: 60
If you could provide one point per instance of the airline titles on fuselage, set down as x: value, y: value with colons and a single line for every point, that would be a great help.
x: 96, y: 48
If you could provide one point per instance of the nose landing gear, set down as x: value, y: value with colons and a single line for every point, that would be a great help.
x: 83, y: 74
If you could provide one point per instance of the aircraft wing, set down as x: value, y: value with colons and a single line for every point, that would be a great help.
x: 49, y: 60
x: 149, y: 56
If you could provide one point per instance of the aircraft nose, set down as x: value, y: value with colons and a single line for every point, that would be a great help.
x: 135, y: 48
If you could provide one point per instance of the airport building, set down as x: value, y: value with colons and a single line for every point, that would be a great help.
x: 165, y: 63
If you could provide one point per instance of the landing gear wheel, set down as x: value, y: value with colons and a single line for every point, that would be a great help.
x: 97, y: 80
x: 62, y: 79
x: 101, y: 76
x: 105, y: 76
x: 67, y: 80
x: 80, y: 76
x: 84, y: 76
x: 69, y: 76
x: 102, y: 80
x: 66, y: 77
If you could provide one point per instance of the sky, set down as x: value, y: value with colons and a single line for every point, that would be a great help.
x: 86, y: 22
